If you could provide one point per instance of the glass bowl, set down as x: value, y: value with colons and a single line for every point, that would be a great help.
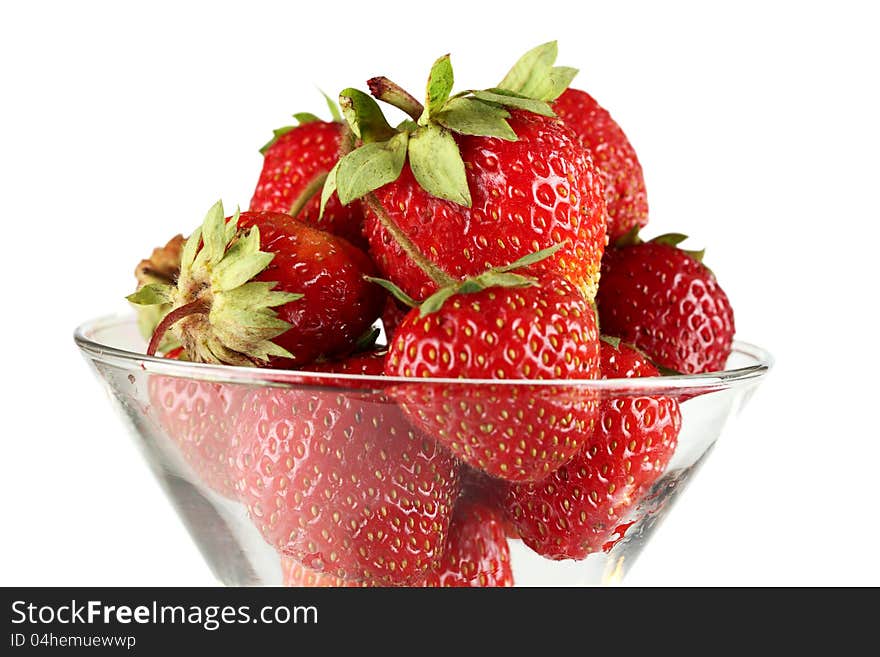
x: 194, y: 449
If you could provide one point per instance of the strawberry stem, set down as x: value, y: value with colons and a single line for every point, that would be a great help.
x: 314, y: 186
x: 393, y: 94
x: 196, y: 307
x: 440, y: 277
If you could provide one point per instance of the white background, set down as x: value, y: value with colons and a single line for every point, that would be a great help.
x: 757, y: 127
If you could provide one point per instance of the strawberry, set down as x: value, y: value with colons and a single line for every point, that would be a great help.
x: 664, y: 301
x: 295, y: 164
x: 367, y: 363
x: 293, y: 573
x: 625, y: 196
x: 477, y: 554
x: 477, y: 179
x: 344, y: 485
x: 526, y: 195
x: 537, y: 330
x: 197, y: 416
x: 578, y: 508
x: 264, y: 289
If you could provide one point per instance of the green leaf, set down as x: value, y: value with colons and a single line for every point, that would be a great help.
x: 536, y: 62
x: 152, y: 294
x: 697, y: 255
x: 370, y: 167
x: 188, y: 256
x: 306, y: 117
x: 630, y: 238
x: 435, y: 302
x: 534, y: 75
x: 496, y: 279
x: 333, y: 107
x: 611, y: 340
x: 395, y: 291
x: 364, y: 116
x: 491, y: 278
x: 275, y: 135
x: 232, y: 225
x: 189, y: 252
x: 255, y: 296
x: 307, y: 194
x: 670, y: 239
x: 248, y: 331
x: 242, y: 320
x: 558, y: 80
x: 328, y: 189
x: 214, y: 233
x: 437, y: 165
x: 367, y: 340
x: 531, y: 258
x: 673, y: 240
x: 440, y: 83
x: 241, y: 264
x: 469, y: 116
x: 498, y: 97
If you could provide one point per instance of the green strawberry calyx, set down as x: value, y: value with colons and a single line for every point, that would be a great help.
x: 217, y: 312
x: 426, y: 141
x: 611, y: 340
x: 632, y: 238
x: 301, y: 119
x: 503, y: 277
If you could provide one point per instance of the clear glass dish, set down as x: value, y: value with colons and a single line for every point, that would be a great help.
x: 191, y: 464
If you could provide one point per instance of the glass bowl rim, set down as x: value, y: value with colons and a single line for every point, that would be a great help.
x: 272, y: 377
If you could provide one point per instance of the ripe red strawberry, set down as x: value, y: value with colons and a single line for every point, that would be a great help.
x: 293, y: 573
x: 578, y: 508
x: 477, y: 179
x: 344, y: 485
x: 264, y: 289
x: 295, y: 165
x: 197, y: 417
x: 477, y: 554
x: 526, y: 195
x: 519, y: 433
x: 613, y: 155
x: 667, y: 303
x: 368, y: 363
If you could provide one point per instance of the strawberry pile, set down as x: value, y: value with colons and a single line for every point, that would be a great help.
x: 494, y: 236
